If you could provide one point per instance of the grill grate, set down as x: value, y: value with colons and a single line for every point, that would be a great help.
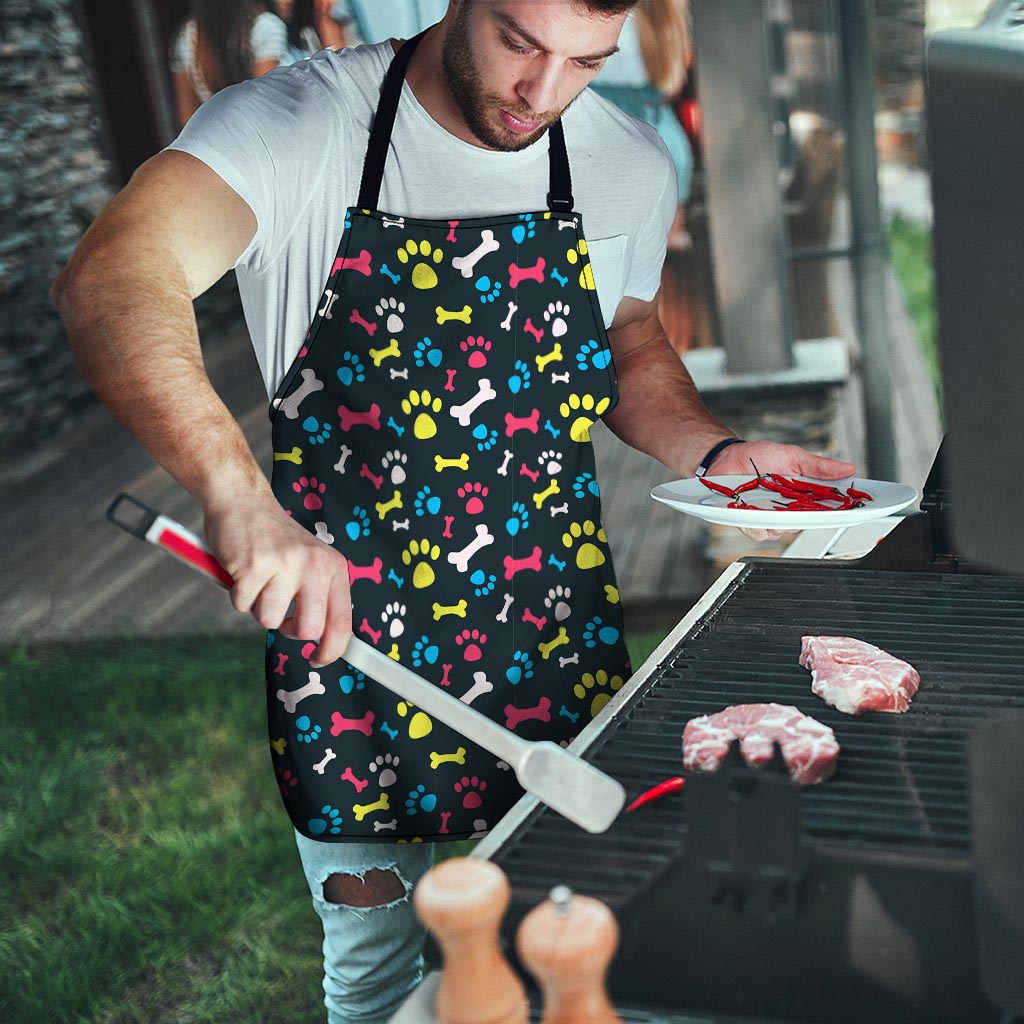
x: 902, y: 779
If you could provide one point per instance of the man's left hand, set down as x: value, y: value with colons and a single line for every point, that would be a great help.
x: 771, y: 457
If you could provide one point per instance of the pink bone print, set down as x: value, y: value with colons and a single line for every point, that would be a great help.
x: 377, y: 481
x: 349, y: 776
x: 524, y: 470
x: 281, y: 659
x: 339, y: 724
x: 514, y: 565
x: 514, y: 423
x: 350, y: 418
x: 373, y: 634
x: 448, y: 520
x: 537, y: 332
x: 443, y: 830
x: 356, y: 318
x: 360, y: 263
x: 445, y: 681
x: 528, y: 616
x: 451, y: 376
x: 542, y: 713
x: 534, y: 273
x: 453, y: 224
x: 365, y: 572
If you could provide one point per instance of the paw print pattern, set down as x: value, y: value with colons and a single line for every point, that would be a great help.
x: 310, y: 488
x: 424, y: 426
x: 317, y: 432
x: 352, y: 370
x: 393, y: 309
x: 471, y: 641
x: 424, y: 652
x: 551, y: 462
x: 519, y: 519
x: 588, y: 554
x: 523, y: 231
x: 393, y: 465
x: 558, y: 600
x: 520, y: 379
x: 477, y: 347
x: 352, y: 681
x: 472, y: 790
x: 424, y: 276
x: 330, y: 823
x: 423, y: 574
x: 489, y: 290
x: 555, y: 315
x: 578, y: 257
x: 596, y: 632
x: 483, y: 583
x: 420, y: 800
x: 593, y: 354
x: 426, y: 503
x: 306, y: 732
x: 601, y: 685
x: 485, y: 439
x: 425, y: 353
x: 473, y: 495
x: 585, y: 485
x: 420, y: 724
x: 385, y: 765
x: 392, y: 617
x: 521, y: 668
x: 586, y: 411
x: 359, y: 525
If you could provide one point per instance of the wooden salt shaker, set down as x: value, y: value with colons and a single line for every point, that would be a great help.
x: 567, y: 943
x: 462, y: 901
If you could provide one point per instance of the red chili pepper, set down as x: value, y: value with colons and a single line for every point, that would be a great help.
x: 749, y: 485
x: 863, y: 495
x: 815, y: 490
x: 720, y: 488
x: 806, y: 505
x: 656, y: 793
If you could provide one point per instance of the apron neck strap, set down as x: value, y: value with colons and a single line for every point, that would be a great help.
x: 559, y: 197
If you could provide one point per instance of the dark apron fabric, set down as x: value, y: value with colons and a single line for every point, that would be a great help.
x: 435, y: 432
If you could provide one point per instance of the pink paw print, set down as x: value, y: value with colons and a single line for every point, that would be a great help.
x: 467, y: 639
x: 472, y: 788
x: 286, y: 779
x: 474, y: 492
x: 311, y: 500
x: 477, y: 349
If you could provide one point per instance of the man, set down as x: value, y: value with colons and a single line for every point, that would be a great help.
x: 432, y: 405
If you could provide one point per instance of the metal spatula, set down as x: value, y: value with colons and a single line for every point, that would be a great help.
x: 577, y: 790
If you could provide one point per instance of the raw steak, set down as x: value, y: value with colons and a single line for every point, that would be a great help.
x: 809, y: 748
x: 855, y: 677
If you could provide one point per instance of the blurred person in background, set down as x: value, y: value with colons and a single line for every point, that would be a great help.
x: 223, y: 42
x: 313, y: 25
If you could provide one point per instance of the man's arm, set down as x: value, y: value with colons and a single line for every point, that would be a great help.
x: 126, y: 300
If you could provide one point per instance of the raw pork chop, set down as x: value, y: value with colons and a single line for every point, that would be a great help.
x: 855, y: 677
x: 809, y: 748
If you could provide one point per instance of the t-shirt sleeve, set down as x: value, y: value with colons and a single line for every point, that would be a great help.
x: 269, y: 38
x: 652, y: 239
x: 268, y: 139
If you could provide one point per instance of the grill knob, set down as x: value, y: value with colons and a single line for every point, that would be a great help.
x: 462, y: 901
x: 567, y: 943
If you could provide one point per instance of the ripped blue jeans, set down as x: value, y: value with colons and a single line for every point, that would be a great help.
x: 372, y: 955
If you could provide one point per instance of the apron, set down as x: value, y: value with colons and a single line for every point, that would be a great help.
x: 434, y: 429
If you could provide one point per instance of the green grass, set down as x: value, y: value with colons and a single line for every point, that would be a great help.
x: 147, y: 868
x: 910, y: 246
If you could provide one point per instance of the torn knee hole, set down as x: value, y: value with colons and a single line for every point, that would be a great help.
x: 376, y: 888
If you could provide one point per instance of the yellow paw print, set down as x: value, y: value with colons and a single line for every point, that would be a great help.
x: 419, y: 725
x: 611, y: 593
x: 423, y: 275
x: 423, y: 574
x: 575, y: 256
x: 583, y: 405
x: 424, y: 426
x: 588, y: 555
x: 607, y: 686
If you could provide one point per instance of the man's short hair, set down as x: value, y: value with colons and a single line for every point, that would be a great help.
x: 609, y: 6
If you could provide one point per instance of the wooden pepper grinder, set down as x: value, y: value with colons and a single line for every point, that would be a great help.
x: 462, y: 901
x: 567, y: 943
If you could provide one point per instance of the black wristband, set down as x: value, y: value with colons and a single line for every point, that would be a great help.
x: 705, y: 463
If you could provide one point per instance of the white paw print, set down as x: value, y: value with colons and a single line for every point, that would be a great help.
x: 385, y: 765
x: 393, y: 308
x: 396, y: 460
x: 549, y: 460
x: 391, y: 614
x: 557, y: 310
x: 559, y: 597
x: 322, y: 533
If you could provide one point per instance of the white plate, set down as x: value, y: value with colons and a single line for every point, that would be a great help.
x: 693, y: 498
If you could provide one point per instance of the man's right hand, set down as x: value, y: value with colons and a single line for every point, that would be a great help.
x: 274, y: 561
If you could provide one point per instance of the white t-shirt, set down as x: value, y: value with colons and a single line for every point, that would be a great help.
x: 292, y: 144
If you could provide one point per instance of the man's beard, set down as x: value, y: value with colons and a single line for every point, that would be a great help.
x: 463, y: 80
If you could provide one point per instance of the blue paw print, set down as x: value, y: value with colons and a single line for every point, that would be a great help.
x: 270, y: 639
x: 523, y: 231
x: 483, y: 583
x: 485, y: 439
x: 426, y: 353
x: 522, y: 668
x: 333, y: 823
x: 317, y: 434
x: 427, y: 503
x: 349, y: 682
x: 348, y: 219
x: 352, y: 370
x: 359, y: 526
x: 585, y: 483
x: 490, y: 291
x: 519, y: 519
x: 606, y: 634
x: 420, y: 800
x: 591, y: 354
x: 424, y: 651
x: 306, y: 731
x: 520, y: 379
